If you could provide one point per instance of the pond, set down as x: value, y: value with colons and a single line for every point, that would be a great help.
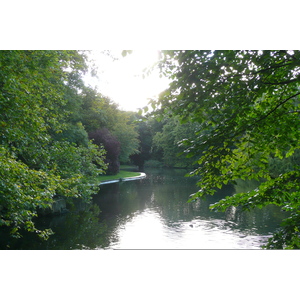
x: 153, y: 213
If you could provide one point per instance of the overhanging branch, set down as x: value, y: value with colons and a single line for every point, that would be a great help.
x: 277, y: 106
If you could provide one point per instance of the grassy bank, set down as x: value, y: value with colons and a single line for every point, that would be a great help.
x: 121, y: 174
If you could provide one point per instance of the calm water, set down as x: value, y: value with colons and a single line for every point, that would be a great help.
x: 153, y: 213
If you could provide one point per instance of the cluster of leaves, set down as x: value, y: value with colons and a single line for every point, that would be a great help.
x: 247, y: 106
x: 161, y: 142
x: 171, y: 139
x: 110, y: 127
x: 112, y: 146
x: 126, y: 132
x: 145, y: 137
x: 44, y: 150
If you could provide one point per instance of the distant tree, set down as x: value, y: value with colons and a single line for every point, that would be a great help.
x: 125, y: 131
x: 98, y: 111
x: 145, y: 137
x: 103, y: 137
x: 170, y: 141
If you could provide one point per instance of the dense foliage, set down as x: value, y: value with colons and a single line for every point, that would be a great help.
x: 112, y: 146
x: 247, y: 106
x: 99, y: 112
x: 44, y: 152
x: 169, y: 141
x: 145, y: 136
x: 47, y: 114
x: 234, y: 114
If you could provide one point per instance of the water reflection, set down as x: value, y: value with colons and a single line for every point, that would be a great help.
x: 153, y: 213
x: 79, y: 229
x: 148, y: 230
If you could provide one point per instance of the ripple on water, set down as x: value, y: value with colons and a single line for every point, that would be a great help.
x: 148, y: 230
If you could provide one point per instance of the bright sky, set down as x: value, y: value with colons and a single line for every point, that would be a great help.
x: 122, y: 79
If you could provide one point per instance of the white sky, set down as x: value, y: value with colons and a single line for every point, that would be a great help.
x: 122, y: 80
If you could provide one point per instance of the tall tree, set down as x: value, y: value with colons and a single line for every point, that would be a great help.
x: 38, y: 160
x: 125, y: 131
x: 103, y: 137
x: 171, y: 139
x: 247, y: 103
x: 100, y: 112
x: 145, y: 137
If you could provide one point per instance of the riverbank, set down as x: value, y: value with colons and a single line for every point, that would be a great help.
x: 121, y: 176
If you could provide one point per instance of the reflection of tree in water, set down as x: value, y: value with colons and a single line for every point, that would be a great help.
x: 122, y: 199
x: 264, y: 220
x: 170, y: 196
x: 81, y: 230
x: 268, y: 218
x: 120, y: 203
x: 75, y: 230
x: 175, y: 206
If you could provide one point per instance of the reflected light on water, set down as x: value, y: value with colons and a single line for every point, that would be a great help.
x: 147, y: 230
x: 144, y: 231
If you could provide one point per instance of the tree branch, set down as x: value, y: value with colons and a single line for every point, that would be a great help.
x: 282, y: 82
x: 244, y: 128
x: 272, y: 67
x: 278, y: 105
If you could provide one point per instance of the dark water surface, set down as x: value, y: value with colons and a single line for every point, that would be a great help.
x: 153, y: 213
